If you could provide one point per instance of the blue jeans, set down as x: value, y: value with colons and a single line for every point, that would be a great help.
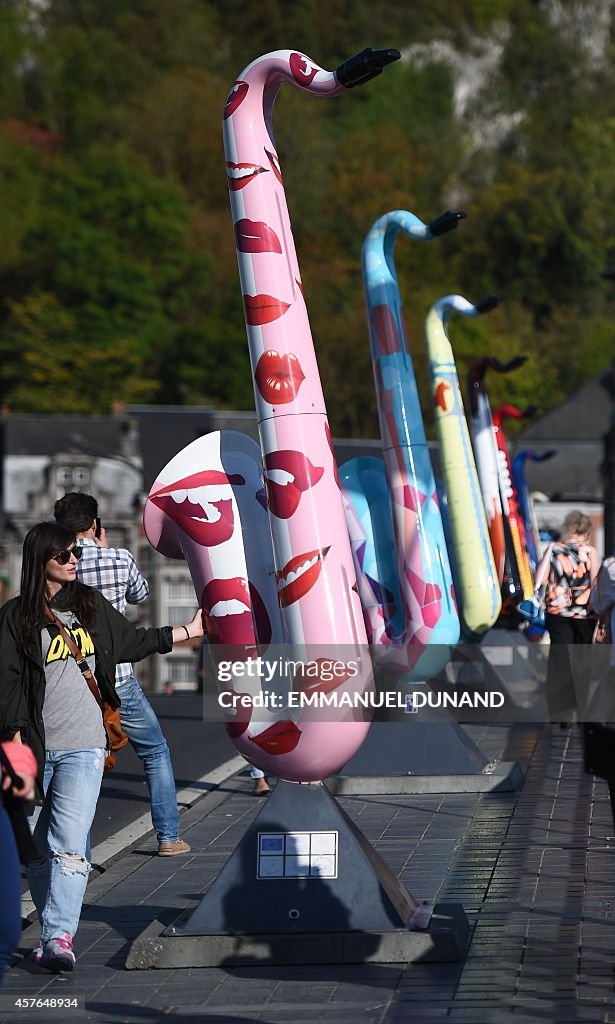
x: 57, y: 881
x: 10, y: 909
x: 140, y: 724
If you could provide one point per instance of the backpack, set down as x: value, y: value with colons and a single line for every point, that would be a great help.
x: 568, y: 584
x: 602, y: 595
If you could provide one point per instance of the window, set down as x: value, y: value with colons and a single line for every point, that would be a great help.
x: 178, y: 601
x: 178, y: 590
x: 181, y: 670
x: 181, y: 673
x: 180, y: 615
x: 73, y: 476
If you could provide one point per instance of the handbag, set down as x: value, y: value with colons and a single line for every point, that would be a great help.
x: 116, y: 737
x: 602, y: 629
x: 532, y: 610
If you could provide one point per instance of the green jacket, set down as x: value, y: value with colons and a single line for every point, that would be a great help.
x: 22, y: 676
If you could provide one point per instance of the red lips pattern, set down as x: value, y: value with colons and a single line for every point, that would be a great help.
x: 306, y: 681
x: 201, y: 505
x: 275, y: 165
x: 278, y: 377
x: 303, y: 70
x: 256, y: 236
x: 235, y: 613
x: 236, y: 96
x: 287, y: 475
x: 263, y: 309
x: 305, y: 570
x: 240, y: 175
x: 279, y: 738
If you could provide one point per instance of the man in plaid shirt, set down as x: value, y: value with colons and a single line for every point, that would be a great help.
x: 114, y: 572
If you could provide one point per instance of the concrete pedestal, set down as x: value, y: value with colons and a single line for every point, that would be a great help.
x: 304, y: 886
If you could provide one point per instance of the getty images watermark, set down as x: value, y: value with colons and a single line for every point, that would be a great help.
x: 318, y: 684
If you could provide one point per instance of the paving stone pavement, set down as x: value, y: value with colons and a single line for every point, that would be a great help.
x: 534, y: 870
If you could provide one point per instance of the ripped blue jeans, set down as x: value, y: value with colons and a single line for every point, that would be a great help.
x: 58, y: 880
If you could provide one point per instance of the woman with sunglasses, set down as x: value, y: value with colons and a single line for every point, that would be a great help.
x: 45, y: 701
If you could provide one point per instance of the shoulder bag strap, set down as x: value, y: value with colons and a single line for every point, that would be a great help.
x: 88, y: 675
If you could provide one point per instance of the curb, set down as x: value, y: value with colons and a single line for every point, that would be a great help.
x: 119, y: 844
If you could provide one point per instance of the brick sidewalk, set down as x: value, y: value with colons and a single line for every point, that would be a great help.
x: 534, y: 871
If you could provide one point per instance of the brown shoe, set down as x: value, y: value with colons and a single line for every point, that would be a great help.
x: 173, y: 849
x: 261, y: 787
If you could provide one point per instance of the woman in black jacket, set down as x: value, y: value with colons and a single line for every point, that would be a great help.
x: 45, y: 701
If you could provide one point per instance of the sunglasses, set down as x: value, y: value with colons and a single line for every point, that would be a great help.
x: 63, y: 557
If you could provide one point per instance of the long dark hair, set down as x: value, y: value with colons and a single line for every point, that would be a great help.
x: 40, y: 544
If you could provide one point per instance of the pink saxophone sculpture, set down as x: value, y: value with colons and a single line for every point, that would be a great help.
x: 311, y: 575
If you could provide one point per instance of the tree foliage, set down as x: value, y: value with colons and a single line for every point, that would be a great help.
x: 118, y: 275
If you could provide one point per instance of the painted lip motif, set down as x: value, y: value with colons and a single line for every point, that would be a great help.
x: 263, y: 309
x: 256, y: 236
x: 275, y: 164
x: 201, y: 505
x: 279, y: 738
x: 232, y: 608
x: 278, y: 377
x: 287, y: 475
x: 227, y: 612
x: 302, y: 69
x: 388, y: 341
x: 236, y: 728
x: 240, y: 175
x: 299, y: 575
x: 238, y: 93
x: 313, y: 683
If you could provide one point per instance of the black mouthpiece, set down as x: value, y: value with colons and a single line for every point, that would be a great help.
x: 529, y: 411
x: 608, y: 273
x: 513, y: 364
x: 445, y: 222
x: 548, y: 455
x: 364, y: 66
x: 488, y: 303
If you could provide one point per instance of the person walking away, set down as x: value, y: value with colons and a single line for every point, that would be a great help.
x: 46, y: 701
x: 115, y: 573
x: 572, y: 564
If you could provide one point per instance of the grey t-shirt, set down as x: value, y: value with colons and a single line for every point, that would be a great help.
x: 71, y: 716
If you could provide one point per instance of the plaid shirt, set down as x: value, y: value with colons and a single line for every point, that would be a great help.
x: 114, y: 572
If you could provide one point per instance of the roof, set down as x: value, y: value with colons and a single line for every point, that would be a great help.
x: 38, y: 434
x: 583, y: 416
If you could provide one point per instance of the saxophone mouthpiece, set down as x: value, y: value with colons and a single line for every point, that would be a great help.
x: 488, y: 303
x: 513, y: 364
x: 529, y: 411
x: 446, y: 222
x: 364, y: 66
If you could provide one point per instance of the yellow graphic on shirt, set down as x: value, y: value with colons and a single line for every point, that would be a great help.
x: 58, y: 648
